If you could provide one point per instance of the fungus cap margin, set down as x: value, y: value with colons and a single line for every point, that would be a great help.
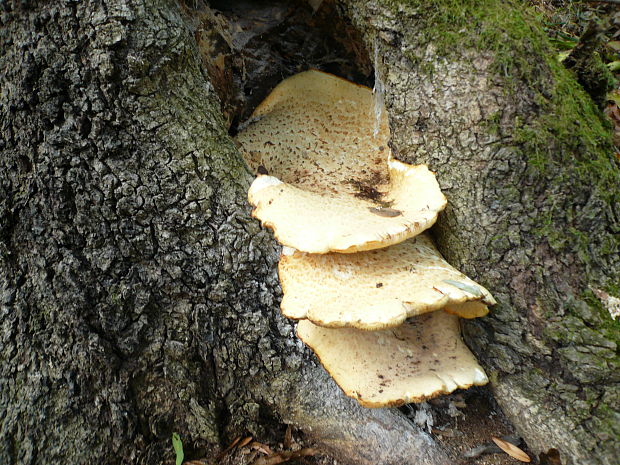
x: 340, y: 190
x: 322, y: 223
x: 377, y: 289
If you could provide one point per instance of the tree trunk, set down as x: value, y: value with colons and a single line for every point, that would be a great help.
x: 534, y: 206
x: 139, y: 298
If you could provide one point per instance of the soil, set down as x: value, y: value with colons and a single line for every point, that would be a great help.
x: 478, y: 419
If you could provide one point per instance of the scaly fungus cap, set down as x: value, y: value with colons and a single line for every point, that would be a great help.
x: 422, y: 358
x: 376, y: 289
x: 331, y: 184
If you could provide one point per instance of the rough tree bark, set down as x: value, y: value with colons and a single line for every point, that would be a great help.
x: 137, y: 296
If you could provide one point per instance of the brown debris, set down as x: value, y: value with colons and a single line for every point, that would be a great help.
x: 387, y: 212
x: 245, y: 442
x: 551, y: 457
x: 232, y: 445
x: 285, y: 456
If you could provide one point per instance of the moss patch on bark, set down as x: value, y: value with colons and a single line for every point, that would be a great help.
x: 566, y: 138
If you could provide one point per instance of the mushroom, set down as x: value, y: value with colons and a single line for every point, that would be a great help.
x: 313, y: 135
x: 377, y: 289
x: 423, y: 358
x: 326, y: 184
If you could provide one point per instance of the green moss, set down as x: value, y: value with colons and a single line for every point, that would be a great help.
x: 492, y: 123
x: 586, y: 336
x: 503, y: 29
x: 613, y: 288
x: 606, y: 421
x: 594, y: 76
x: 568, y: 146
x: 565, y: 138
x: 567, y: 128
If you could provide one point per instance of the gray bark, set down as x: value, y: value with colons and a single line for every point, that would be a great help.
x: 137, y: 295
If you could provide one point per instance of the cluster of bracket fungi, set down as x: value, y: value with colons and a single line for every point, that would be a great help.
x: 375, y: 300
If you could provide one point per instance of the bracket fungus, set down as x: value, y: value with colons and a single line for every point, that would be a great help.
x: 369, y: 301
x: 314, y: 136
x: 420, y: 359
x: 376, y: 289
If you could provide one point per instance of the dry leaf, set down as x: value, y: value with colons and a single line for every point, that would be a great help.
x: 511, y: 450
x: 281, y: 457
x: 245, y: 442
x: 221, y: 455
x: 288, y: 437
x: 264, y: 448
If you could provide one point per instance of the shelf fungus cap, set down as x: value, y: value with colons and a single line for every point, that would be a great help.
x: 423, y: 358
x: 331, y: 184
x: 377, y: 289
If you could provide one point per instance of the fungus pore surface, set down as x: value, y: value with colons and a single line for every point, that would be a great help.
x: 326, y: 179
x: 377, y: 289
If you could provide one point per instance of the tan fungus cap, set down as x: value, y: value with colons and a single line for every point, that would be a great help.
x: 376, y: 289
x: 423, y: 358
x: 330, y: 186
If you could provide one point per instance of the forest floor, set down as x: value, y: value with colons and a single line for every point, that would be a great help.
x: 463, y: 422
